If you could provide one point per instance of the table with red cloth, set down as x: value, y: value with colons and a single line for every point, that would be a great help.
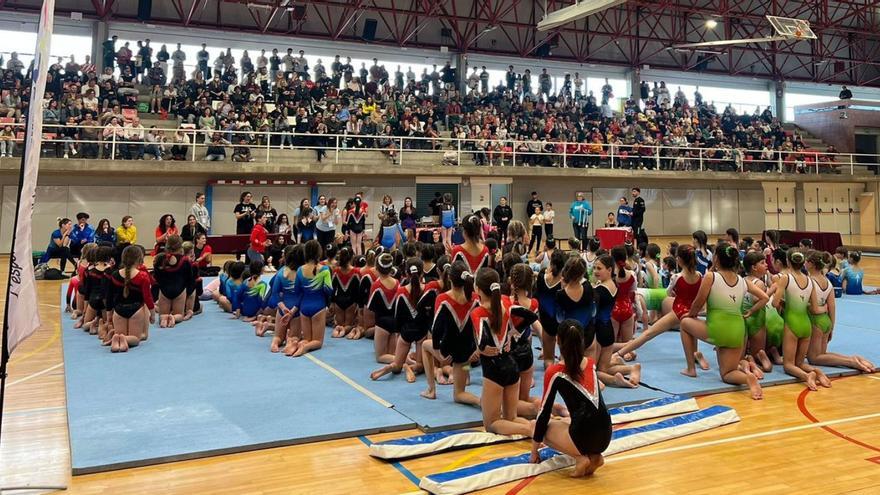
x: 613, y: 236
x: 822, y: 241
x: 234, y: 243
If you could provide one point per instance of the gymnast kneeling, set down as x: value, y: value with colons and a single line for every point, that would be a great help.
x: 130, y: 299
x: 587, y: 433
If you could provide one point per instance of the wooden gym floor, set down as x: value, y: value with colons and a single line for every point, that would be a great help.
x: 793, y: 441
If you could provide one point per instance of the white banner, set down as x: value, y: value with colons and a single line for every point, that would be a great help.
x: 23, y: 317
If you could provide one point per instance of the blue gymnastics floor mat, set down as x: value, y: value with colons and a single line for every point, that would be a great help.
x: 206, y: 387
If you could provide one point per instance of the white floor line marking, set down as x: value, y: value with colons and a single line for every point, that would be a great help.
x: 32, y: 411
x: 349, y: 381
x: 849, y: 300
x: 35, y: 375
x: 743, y: 437
x: 873, y: 377
x: 50, y: 305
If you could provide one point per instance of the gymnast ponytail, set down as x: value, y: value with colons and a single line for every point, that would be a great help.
x: 686, y: 257
x: 414, y: 268
x: 131, y: 258
x: 618, y: 254
x: 574, y: 270
x: 572, y: 343
x: 796, y: 259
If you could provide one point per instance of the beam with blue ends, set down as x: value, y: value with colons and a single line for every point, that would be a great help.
x: 435, y: 443
x: 507, y: 469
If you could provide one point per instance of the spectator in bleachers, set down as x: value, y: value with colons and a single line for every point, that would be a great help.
x: 134, y: 136
x: 7, y: 141
x: 216, y: 150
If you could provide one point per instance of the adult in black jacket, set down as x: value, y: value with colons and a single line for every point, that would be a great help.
x: 502, y: 216
x: 638, y: 216
x: 532, y: 204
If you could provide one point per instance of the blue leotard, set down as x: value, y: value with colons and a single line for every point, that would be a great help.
x: 447, y: 218
x: 836, y: 282
x: 704, y: 261
x: 853, y: 279
x: 313, y: 292
x: 223, y: 279
x: 389, y: 232
x: 253, y: 299
x: 233, y: 293
x: 282, y: 290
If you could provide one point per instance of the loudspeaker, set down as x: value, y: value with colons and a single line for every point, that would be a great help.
x: 543, y: 50
x: 145, y: 10
x: 369, y: 29
x: 298, y: 13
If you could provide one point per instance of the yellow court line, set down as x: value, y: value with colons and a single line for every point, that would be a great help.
x: 742, y: 437
x: 40, y: 349
x: 349, y: 381
x: 34, y: 375
x: 463, y: 459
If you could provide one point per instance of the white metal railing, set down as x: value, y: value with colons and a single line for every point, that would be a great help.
x: 455, y: 151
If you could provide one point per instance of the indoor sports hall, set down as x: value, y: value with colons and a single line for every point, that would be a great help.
x: 440, y: 246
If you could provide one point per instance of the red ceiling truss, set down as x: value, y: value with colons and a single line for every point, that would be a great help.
x: 636, y: 33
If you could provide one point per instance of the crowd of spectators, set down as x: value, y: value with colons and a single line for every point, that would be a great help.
x: 227, y: 106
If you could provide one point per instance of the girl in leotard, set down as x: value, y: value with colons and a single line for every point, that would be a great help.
x: 253, y: 293
x: 492, y: 330
x: 82, y: 266
x: 587, y: 433
x: 852, y: 276
x: 131, y: 300
x: 413, y: 310
x: 523, y: 320
x: 94, y: 288
x: 832, y: 273
x: 288, y: 331
x: 429, y: 258
x: 452, y: 335
x: 229, y: 298
x: 173, y: 273
x: 575, y: 299
x: 755, y: 270
x: 794, y: 291
x: 312, y: 289
x: 447, y: 220
x: 623, y: 316
x: 773, y: 320
x: 473, y: 252
x: 355, y: 219
x: 704, y: 256
x: 822, y: 315
x: 683, y: 290
x: 612, y: 372
x: 346, y: 284
x: 381, y: 303
x: 549, y: 282
x: 722, y: 291
x: 366, y: 319
x: 390, y: 235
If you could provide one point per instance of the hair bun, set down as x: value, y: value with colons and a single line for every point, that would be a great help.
x: 413, y: 269
x: 447, y: 266
x: 495, y: 286
x: 466, y: 275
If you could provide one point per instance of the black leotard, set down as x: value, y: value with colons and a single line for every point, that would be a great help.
x: 452, y: 331
x: 521, y: 320
x: 590, y: 427
x: 381, y: 303
x: 173, y: 280
x: 546, y: 296
x: 355, y: 220
x: 602, y: 320
x: 94, y: 288
x: 139, y: 294
x: 502, y: 368
x: 413, y: 321
x: 346, y: 287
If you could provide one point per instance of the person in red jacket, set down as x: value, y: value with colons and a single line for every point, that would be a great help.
x: 259, y: 238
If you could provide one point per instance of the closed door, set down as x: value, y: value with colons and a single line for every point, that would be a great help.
x: 811, y: 208
x: 786, y: 201
x: 771, y: 208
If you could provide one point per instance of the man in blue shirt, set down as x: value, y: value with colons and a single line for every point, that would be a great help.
x: 82, y: 234
x: 580, y: 212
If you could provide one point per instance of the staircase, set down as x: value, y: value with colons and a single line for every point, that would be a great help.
x: 816, y: 143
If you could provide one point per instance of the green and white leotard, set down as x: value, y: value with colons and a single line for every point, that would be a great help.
x: 757, y: 321
x: 775, y: 325
x: 796, y: 311
x: 724, y: 320
x: 653, y: 298
x: 822, y: 320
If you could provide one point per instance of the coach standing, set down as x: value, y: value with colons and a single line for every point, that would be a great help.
x: 638, y: 216
x: 580, y: 212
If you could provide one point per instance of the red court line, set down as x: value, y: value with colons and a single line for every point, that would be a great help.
x: 522, y: 484
x: 802, y: 405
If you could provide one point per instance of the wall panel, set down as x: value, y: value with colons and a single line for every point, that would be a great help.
x: 685, y: 211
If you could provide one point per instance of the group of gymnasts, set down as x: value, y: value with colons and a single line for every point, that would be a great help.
x: 440, y: 310
x: 119, y: 300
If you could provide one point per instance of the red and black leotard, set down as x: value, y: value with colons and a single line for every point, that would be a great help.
x: 501, y: 369
x: 473, y: 263
x: 346, y: 287
x: 414, y: 320
x: 381, y: 302
x: 139, y: 294
x: 452, y: 331
x: 94, y: 288
x: 175, y: 279
x: 366, y: 279
x: 685, y: 294
x: 623, y: 301
x: 590, y: 428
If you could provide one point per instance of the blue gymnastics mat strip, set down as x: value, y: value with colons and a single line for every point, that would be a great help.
x: 207, y: 387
